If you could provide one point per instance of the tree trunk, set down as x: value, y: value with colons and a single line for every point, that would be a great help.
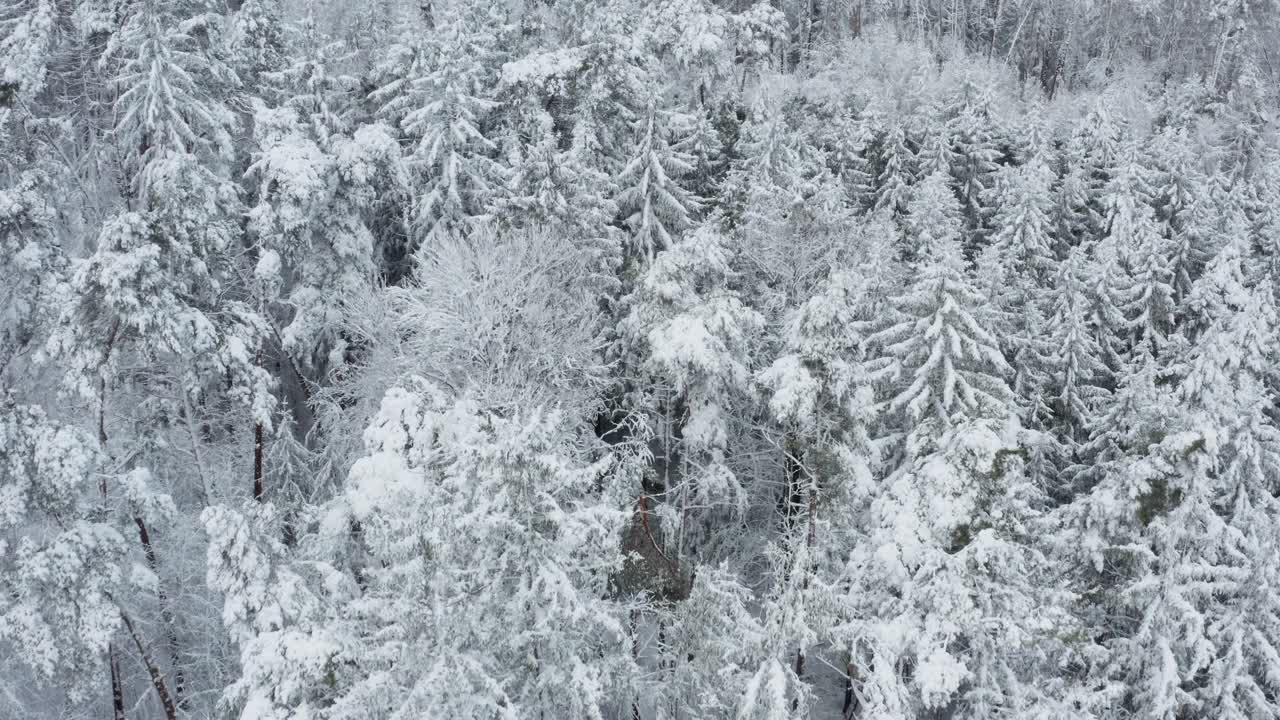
x: 258, y: 437
x: 635, y: 655
x: 995, y: 28
x: 144, y: 537
x: 102, y: 388
x: 206, y: 492
x: 157, y: 679
x: 802, y: 490
x: 792, y: 478
x: 811, y: 537
x: 166, y: 612
x: 117, y: 688
x: 850, y: 698
x: 113, y: 658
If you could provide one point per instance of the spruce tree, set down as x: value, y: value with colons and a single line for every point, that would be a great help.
x: 656, y: 208
x: 938, y: 355
x: 447, y: 103
x: 896, y: 164
x: 1017, y: 269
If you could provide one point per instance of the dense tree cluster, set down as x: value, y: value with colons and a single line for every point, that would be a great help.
x: 677, y: 359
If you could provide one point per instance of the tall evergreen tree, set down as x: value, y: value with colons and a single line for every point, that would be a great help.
x: 444, y: 107
x: 977, y: 152
x: 1017, y: 269
x: 693, y: 336
x: 1077, y: 370
x: 896, y: 169
x: 938, y: 356
x: 62, y: 555
x: 1176, y: 519
x: 1146, y: 298
x: 656, y: 208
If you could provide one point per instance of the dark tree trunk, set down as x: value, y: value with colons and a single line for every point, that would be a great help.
x: 793, y: 480
x: 117, y: 687
x: 850, y: 703
x: 157, y: 679
x: 102, y: 389
x: 635, y: 655
x: 801, y: 492
x: 166, y: 612
x: 258, y: 486
x: 259, y: 434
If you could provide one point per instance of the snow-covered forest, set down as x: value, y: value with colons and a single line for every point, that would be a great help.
x: 639, y: 359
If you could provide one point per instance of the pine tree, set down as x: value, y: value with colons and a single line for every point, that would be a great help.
x: 656, y: 208
x: 1185, y: 205
x: 562, y: 190
x: 615, y: 87
x: 502, y: 537
x: 1106, y: 279
x: 688, y: 331
x: 794, y: 224
x: 146, y: 333
x: 849, y: 140
x: 693, y: 35
x: 1074, y: 223
x: 766, y: 158
x: 938, y: 357
x: 447, y: 102
x: 967, y: 531
x: 258, y: 38
x: 277, y: 609
x: 152, y: 287
x: 312, y: 222
x: 896, y: 163
x: 818, y: 384
x: 29, y: 32
x: 1227, y: 378
x: 950, y: 582
x: 1096, y: 143
x: 975, y: 128
x: 720, y: 655
x: 32, y: 261
x: 701, y: 140
x: 1146, y: 299
x: 825, y: 405
x: 1177, y: 521
x: 1077, y: 371
x: 936, y: 153
x: 1017, y: 268
x: 797, y: 613
x: 311, y: 82
x: 1090, y: 155
x: 62, y: 559
x: 1024, y: 236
